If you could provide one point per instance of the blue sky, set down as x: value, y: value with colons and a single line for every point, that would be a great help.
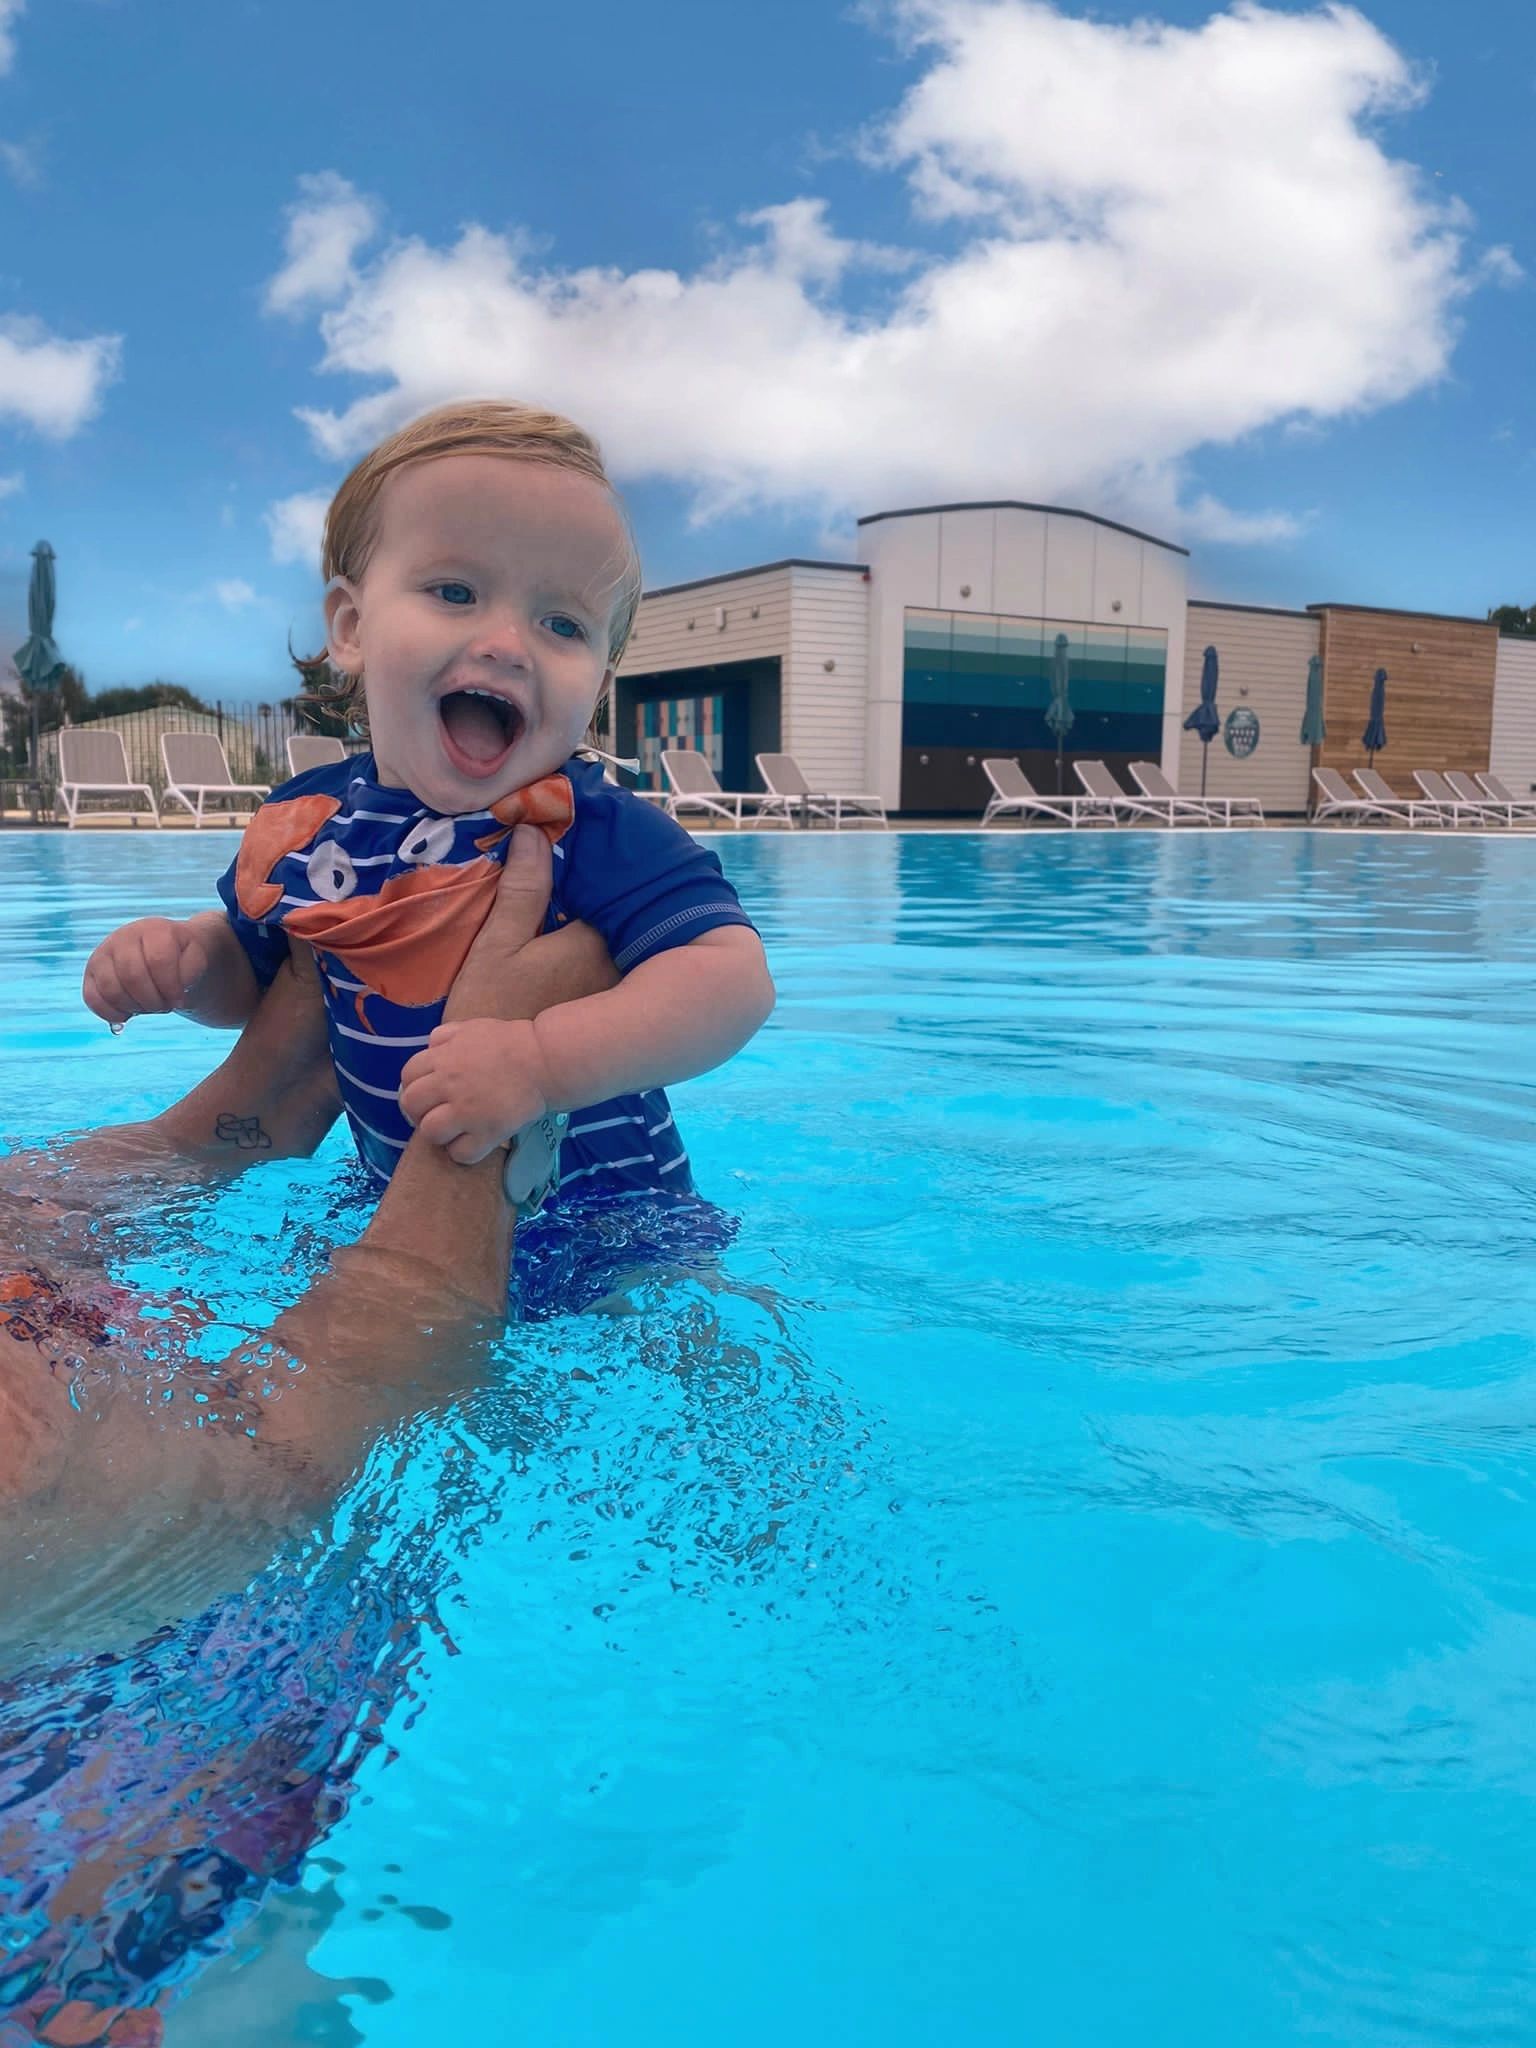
x: 1261, y: 281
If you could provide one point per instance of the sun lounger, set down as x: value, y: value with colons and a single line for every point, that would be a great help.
x: 1514, y: 807
x: 308, y: 750
x: 1107, y: 796
x: 786, y: 784
x: 1375, y: 787
x: 1211, y: 809
x: 1446, y: 805
x: 1340, y: 801
x: 95, y: 763
x: 197, y: 770
x: 695, y: 787
x: 1014, y: 793
x: 1466, y: 791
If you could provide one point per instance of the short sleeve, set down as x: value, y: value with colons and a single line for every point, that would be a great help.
x: 266, y: 945
x: 636, y: 876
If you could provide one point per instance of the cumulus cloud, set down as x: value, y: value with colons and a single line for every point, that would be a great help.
x: 294, y: 526
x: 234, y: 593
x: 1154, y: 239
x: 11, y: 484
x: 52, y: 384
x: 327, y: 225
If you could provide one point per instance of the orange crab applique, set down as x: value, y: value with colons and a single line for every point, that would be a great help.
x: 276, y: 831
x: 408, y: 940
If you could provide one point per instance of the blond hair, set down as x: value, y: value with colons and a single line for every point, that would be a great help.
x: 475, y: 426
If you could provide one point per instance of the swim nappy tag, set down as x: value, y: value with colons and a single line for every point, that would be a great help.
x: 528, y: 1177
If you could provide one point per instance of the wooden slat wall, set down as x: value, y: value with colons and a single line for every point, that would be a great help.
x: 826, y: 711
x: 1266, y: 655
x: 1514, y: 714
x: 1439, y: 701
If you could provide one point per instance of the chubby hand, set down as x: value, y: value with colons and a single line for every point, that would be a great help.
x: 475, y: 1086
x: 144, y: 969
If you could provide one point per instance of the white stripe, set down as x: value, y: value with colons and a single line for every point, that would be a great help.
x: 358, y: 860
x: 656, y: 1130
x: 372, y: 1037
x: 673, y: 1164
x: 612, y: 1166
x: 394, y: 1144
x: 388, y: 817
x: 609, y: 1123
x: 388, y: 1094
x: 355, y: 988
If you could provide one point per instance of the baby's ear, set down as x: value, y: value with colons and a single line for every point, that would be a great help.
x: 343, y: 616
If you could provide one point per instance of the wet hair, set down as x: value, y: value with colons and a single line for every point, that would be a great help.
x: 474, y: 426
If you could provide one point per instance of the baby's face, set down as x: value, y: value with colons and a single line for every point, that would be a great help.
x: 481, y: 625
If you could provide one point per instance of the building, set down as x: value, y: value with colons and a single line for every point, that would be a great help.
x: 901, y: 671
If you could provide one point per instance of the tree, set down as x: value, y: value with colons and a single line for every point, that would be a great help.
x: 1515, y: 618
x: 118, y: 702
x: 66, y: 697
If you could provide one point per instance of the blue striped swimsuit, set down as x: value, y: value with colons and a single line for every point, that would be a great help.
x: 622, y: 867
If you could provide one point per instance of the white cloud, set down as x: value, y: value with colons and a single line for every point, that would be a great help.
x: 51, y: 384
x: 11, y: 484
x: 327, y: 225
x: 132, y: 625
x: 9, y: 11
x: 1157, y: 239
x: 21, y: 164
x: 234, y: 593
x: 295, y: 526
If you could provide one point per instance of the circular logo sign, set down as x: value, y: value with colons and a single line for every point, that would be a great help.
x: 1241, y: 732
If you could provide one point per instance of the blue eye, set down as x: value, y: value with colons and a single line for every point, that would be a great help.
x: 565, y: 628
x: 454, y: 593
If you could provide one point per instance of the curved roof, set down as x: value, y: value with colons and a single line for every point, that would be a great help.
x: 1019, y: 505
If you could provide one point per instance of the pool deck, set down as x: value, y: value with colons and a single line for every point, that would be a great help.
x: 19, y: 821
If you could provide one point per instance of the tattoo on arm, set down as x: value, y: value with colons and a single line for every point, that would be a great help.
x: 244, y: 1131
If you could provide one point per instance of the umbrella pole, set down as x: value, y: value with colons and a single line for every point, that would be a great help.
x: 1205, y: 762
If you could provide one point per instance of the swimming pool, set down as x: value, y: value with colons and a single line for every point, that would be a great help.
x: 1073, y: 1583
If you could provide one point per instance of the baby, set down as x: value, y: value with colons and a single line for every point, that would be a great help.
x: 481, y: 584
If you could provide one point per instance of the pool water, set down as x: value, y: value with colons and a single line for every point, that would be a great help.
x: 1069, y: 1578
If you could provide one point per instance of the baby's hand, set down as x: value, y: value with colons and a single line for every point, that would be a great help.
x: 144, y: 969
x: 475, y: 1087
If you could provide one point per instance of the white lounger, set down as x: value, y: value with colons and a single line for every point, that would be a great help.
x: 1108, y: 796
x: 308, y: 750
x: 1376, y: 788
x: 696, y: 787
x: 95, y: 763
x: 1444, y: 802
x: 1211, y: 810
x: 1513, y: 806
x: 1012, y: 791
x: 197, y: 769
x: 786, y: 783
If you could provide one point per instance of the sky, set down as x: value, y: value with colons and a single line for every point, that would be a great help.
x: 1257, y: 280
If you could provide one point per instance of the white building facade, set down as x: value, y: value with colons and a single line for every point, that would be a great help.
x: 902, y: 670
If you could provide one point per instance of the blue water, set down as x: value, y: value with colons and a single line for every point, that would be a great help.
x: 1070, y: 1578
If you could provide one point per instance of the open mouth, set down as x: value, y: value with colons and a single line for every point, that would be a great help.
x: 480, y: 729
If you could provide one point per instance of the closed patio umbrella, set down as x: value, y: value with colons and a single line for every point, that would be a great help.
x: 1313, y: 729
x: 1374, y: 738
x: 38, y: 660
x: 1058, y: 714
x: 1205, y: 719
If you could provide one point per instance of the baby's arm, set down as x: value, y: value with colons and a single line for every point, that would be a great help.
x: 677, y: 1014
x: 195, y: 965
